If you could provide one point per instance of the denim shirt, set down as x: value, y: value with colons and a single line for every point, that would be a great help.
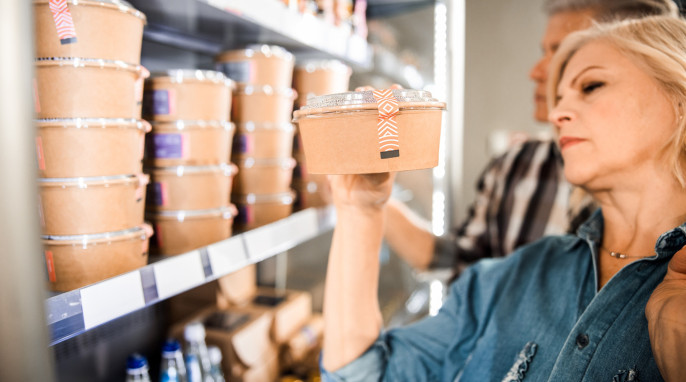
x: 536, y: 315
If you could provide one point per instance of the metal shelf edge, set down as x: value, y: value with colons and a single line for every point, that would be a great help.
x: 72, y: 313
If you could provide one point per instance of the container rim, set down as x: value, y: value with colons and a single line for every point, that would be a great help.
x: 252, y: 50
x: 314, y: 65
x: 283, y: 198
x: 366, y: 97
x: 84, y: 123
x: 121, y: 5
x: 245, y: 88
x: 250, y: 126
x: 250, y: 162
x: 228, y: 169
x: 85, y: 182
x: 80, y: 62
x: 226, y: 212
x: 183, y: 75
x: 144, y: 229
x: 181, y: 124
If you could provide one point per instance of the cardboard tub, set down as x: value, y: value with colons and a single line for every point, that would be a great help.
x: 319, y: 77
x: 106, y: 29
x: 189, y: 187
x: 81, y: 206
x: 191, y: 143
x: 370, y: 131
x: 179, y: 232
x: 78, y: 147
x: 312, y: 194
x: 188, y: 94
x: 257, y: 210
x: 258, y: 65
x: 263, y: 140
x: 262, y: 104
x: 88, y: 88
x: 263, y: 176
x: 79, y: 260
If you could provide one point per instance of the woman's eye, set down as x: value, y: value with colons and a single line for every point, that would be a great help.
x: 591, y: 86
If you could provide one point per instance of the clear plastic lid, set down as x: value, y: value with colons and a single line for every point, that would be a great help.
x: 85, y: 182
x: 188, y: 124
x: 123, y: 6
x: 225, y: 213
x: 248, y: 89
x: 282, y: 198
x: 84, y: 123
x: 80, y: 62
x: 255, y: 50
x: 253, y: 126
x: 285, y: 163
x: 315, y: 65
x: 142, y: 232
x: 228, y: 169
x: 354, y: 99
x: 181, y: 75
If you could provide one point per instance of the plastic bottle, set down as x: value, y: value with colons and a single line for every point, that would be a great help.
x: 172, y: 368
x: 216, y: 361
x: 198, y: 364
x: 137, y: 368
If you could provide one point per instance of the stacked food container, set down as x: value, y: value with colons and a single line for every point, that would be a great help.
x: 188, y: 159
x: 313, y: 78
x: 262, y: 145
x: 89, y: 140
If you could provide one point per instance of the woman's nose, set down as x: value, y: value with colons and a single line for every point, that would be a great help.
x: 559, y: 115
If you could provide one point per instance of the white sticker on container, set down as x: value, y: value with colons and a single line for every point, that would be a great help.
x: 227, y: 256
x: 178, y: 274
x: 112, y: 298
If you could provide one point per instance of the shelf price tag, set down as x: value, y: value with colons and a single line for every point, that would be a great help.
x: 111, y: 299
x: 227, y: 256
x: 179, y: 273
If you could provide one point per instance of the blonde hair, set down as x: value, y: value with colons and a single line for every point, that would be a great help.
x: 657, y: 45
x: 608, y: 10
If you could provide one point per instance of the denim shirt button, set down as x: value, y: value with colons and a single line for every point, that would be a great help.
x: 582, y: 341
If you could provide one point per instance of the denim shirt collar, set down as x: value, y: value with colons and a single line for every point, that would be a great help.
x: 667, y: 244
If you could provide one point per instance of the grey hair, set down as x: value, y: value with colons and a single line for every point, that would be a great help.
x: 611, y: 10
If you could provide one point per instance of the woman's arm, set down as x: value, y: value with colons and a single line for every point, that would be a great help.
x: 352, y: 318
x: 666, y: 314
x: 408, y: 235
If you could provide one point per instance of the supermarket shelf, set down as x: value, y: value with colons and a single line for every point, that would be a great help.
x: 72, y: 313
x: 210, y: 26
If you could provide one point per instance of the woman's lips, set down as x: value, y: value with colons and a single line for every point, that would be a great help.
x: 569, y: 141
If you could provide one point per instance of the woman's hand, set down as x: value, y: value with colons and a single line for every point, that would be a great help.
x: 364, y: 192
x: 666, y: 314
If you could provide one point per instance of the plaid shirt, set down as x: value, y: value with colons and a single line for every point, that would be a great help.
x: 522, y: 196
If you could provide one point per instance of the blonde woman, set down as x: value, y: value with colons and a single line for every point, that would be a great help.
x: 606, y: 304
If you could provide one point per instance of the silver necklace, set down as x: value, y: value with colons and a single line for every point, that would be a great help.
x: 620, y: 255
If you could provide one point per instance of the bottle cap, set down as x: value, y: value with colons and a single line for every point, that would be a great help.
x: 215, y: 355
x: 136, y: 362
x: 194, y: 331
x: 171, y: 346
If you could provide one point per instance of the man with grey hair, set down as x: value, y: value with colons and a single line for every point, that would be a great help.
x: 523, y: 194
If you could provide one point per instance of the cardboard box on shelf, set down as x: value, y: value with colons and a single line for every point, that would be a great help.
x: 304, y: 345
x: 239, y: 287
x: 291, y: 309
x: 242, y: 335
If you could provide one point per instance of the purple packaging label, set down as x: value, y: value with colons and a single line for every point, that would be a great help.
x: 242, y: 144
x: 239, y: 71
x: 159, y: 102
x: 157, y: 194
x: 167, y: 146
x: 245, y: 215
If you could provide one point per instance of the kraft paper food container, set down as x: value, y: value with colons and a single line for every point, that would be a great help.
x: 258, y: 65
x: 81, y: 206
x: 189, y: 187
x: 319, y: 77
x: 188, y: 94
x: 263, y: 176
x: 74, y: 261
x: 370, y: 131
x: 87, y: 88
x: 85, y: 147
x: 262, y: 104
x: 311, y: 194
x: 179, y: 232
x: 106, y: 29
x: 263, y: 140
x: 257, y: 210
x: 192, y: 143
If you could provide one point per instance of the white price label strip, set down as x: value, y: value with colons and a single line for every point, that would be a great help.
x: 111, y: 298
x: 227, y: 256
x: 277, y: 237
x: 179, y: 273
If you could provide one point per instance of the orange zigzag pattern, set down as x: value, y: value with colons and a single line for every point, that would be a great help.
x: 387, y: 126
x: 63, y: 20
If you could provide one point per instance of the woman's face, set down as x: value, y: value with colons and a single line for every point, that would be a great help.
x: 612, y: 119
